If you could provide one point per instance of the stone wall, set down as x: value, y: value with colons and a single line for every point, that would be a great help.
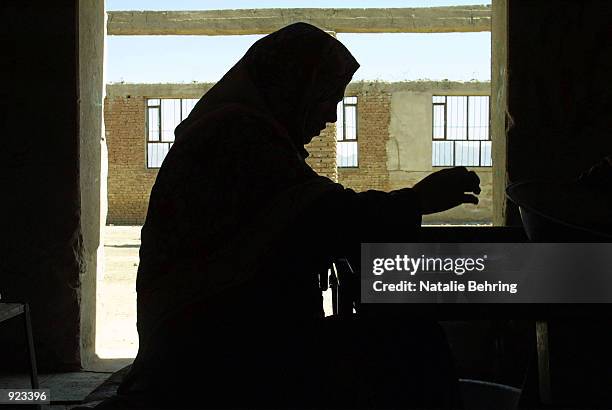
x: 394, y: 143
x: 41, y: 252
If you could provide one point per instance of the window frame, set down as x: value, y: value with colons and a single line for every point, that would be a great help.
x: 467, y: 129
x: 160, y: 130
x: 344, y: 139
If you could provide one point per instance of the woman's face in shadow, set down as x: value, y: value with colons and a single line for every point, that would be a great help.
x: 317, y: 118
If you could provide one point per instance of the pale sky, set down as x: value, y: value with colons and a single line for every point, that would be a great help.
x: 390, y: 57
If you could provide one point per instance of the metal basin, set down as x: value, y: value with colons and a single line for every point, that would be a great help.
x: 562, y: 212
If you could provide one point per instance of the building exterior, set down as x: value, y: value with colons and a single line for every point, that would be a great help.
x: 388, y: 136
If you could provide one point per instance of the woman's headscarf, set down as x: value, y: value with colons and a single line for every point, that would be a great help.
x: 282, y: 75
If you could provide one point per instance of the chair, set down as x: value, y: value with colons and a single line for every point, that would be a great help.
x: 11, y: 310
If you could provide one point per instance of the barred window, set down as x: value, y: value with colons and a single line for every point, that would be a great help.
x: 346, y: 133
x: 163, y: 116
x: 461, y: 131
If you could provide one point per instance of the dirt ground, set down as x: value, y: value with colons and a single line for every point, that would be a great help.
x: 116, y: 335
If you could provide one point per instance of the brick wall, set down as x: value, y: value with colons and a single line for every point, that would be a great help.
x: 129, y: 180
x: 322, y: 150
x: 373, y: 114
x: 394, y: 143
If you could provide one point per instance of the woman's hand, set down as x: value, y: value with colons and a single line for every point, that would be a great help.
x: 446, y: 189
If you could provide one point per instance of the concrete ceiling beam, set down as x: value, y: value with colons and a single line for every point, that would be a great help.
x: 264, y: 21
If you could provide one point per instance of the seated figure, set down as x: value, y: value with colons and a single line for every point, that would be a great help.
x: 238, y: 227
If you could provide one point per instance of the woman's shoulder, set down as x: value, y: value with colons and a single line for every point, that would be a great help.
x: 233, y: 121
x: 235, y: 114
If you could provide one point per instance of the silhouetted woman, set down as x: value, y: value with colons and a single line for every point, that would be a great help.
x: 229, y: 304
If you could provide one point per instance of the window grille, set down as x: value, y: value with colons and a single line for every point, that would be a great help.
x: 460, y: 131
x: 163, y: 116
x: 346, y: 134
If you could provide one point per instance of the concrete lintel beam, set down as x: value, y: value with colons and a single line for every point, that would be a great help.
x: 264, y: 21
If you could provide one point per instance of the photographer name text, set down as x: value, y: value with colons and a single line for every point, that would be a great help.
x: 422, y: 264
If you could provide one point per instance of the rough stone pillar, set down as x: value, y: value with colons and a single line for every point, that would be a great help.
x: 499, y: 107
x: 92, y: 166
x: 40, y: 251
